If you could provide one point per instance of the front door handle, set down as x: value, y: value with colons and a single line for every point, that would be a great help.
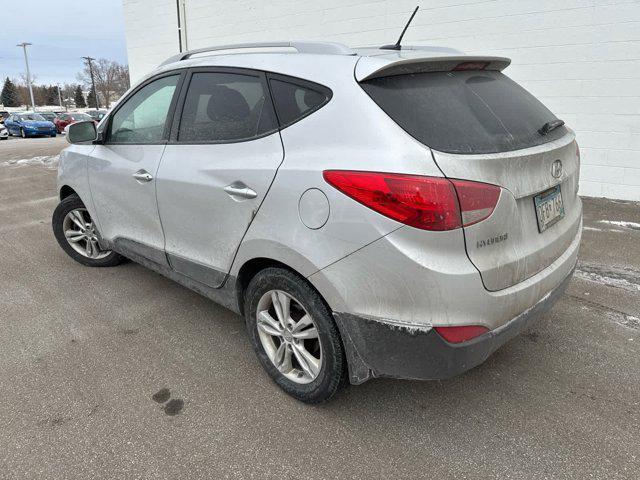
x: 142, y: 176
x: 238, y: 190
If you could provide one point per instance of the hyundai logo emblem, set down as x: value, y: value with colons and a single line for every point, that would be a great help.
x: 556, y: 169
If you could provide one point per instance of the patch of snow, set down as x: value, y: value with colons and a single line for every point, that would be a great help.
x: 626, y: 320
x: 47, y: 161
x: 630, y: 321
x: 594, y: 229
x: 618, y: 279
x: 621, y: 223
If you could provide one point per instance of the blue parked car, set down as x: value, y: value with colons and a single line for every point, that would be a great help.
x: 29, y: 125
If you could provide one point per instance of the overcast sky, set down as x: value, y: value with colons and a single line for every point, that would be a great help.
x: 61, y: 31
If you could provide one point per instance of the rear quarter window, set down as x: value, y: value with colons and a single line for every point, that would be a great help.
x: 295, y: 99
x: 464, y: 112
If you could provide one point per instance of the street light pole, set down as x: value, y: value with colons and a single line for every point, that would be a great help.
x: 93, y: 84
x: 24, y: 46
x: 59, y: 96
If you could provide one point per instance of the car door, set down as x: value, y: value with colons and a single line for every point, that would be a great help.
x: 123, y: 167
x: 10, y: 123
x: 17, y: 124
x: 62, y: 122
x: 224, y: 152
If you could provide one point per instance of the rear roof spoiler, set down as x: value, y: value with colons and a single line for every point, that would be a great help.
x: 375, y: 67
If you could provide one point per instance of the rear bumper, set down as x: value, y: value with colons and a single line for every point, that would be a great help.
x: 378, y: 348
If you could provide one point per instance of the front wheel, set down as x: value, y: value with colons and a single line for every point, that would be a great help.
x: 22, y: 133
x: 77, y: 235
x: 294, y: 335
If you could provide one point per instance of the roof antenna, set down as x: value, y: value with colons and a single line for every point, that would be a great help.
x: 397, y: 44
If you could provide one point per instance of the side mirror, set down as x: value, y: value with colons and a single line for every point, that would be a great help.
x: 82, y: 132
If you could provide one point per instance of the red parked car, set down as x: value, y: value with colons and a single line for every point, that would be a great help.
x: 65, y: 119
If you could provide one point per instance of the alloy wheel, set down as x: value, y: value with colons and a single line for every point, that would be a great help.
x: 289, y: 336
x: 81, y: 234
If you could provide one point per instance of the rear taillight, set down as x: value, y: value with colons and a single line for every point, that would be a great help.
x: 428, y: 203
x: 462, y: 333
x: 477, y: 200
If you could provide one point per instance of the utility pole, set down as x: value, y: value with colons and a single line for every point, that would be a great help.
x: 93, y: 84
x: 24, y: 46
x: 182, y: 26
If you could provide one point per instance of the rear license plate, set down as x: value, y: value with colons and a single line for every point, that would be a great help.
x: 549, y: 207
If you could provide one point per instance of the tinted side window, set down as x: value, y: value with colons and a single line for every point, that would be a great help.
x: 142, y: 118
x: 225, y: 107
x: 294, y: 101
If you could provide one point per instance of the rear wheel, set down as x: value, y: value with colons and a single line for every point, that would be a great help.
x: 77, y: 235
x: 294, y: 335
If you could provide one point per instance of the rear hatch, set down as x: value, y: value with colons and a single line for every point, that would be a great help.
x: 482, y: 126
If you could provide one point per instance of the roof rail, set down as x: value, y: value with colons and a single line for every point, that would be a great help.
x: 326, y: 48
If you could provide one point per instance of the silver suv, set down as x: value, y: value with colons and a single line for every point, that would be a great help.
x: 371, y: 213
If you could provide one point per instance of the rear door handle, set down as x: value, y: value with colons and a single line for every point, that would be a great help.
x: 238, y: 190
x: 142, y: 176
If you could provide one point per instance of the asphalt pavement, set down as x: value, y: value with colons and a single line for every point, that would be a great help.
x: 121, y: 373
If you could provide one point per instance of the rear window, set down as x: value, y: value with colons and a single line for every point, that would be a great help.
x: 464, y: 112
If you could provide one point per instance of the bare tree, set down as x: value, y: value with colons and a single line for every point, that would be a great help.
x: 68, y: 92
x: 23, y: 90
x: 111, y: 79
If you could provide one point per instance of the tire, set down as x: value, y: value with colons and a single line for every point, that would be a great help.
x: 332, y: 371
x: 53, y: 135
x: 60, y: 222
x: 22, y: 134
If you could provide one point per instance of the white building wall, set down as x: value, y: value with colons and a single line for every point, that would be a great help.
x: 580, y: 57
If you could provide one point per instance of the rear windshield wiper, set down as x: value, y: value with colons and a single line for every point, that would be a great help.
x: 550, y: 126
